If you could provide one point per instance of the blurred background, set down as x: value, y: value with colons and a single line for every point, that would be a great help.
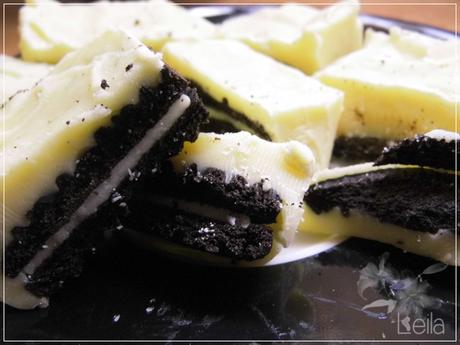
x: 440, y: 13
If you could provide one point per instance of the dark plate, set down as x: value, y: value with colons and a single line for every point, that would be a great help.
x: 128, y: 293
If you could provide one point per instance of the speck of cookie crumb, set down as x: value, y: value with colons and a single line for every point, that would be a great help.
x: 104, y: 84
x: 67, y: 123
x: 127, y: 68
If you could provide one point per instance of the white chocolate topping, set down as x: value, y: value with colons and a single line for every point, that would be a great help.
x: 47, y: 36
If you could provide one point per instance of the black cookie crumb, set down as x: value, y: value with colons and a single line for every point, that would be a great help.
x: 104, y: 84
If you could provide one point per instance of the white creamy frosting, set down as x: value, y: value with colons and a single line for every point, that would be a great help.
x: 440, y: 134
x: 47, y: 36
x: 19, y: 75
x: 287, y: 168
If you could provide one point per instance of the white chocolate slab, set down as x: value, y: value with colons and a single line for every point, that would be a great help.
x: 47, y: 36
x: 301, y: 36
x: 397, y: 86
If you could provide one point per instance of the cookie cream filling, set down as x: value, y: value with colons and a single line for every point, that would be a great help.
x: 202, y: 209
x: 14, y: 296
x: 440, y: 134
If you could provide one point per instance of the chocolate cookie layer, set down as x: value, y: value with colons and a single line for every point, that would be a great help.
x: 422, y: 151
x: 219, y: 126
x: 413, y: 198
x: 112, y: 144
x: 210, y: 187
x: 223, y: 106
x: 223, y: 239
x: 356, y: 149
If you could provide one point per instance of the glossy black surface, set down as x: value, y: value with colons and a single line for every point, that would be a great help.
x: 128, y: 293
x: 157, y: 298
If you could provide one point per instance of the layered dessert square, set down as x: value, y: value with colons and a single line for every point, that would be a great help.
x: 73, y: 147
x: 251, y: 90
x: 405, y: 199
x: 231, y: 195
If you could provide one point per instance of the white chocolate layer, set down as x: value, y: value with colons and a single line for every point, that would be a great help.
x: 288, y: 104
x: 440, y: 246
x: 19, y: 75
x: 299, y: 35
x: 47, y: 36
x: 284, y: 167
x: 397, y: 86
